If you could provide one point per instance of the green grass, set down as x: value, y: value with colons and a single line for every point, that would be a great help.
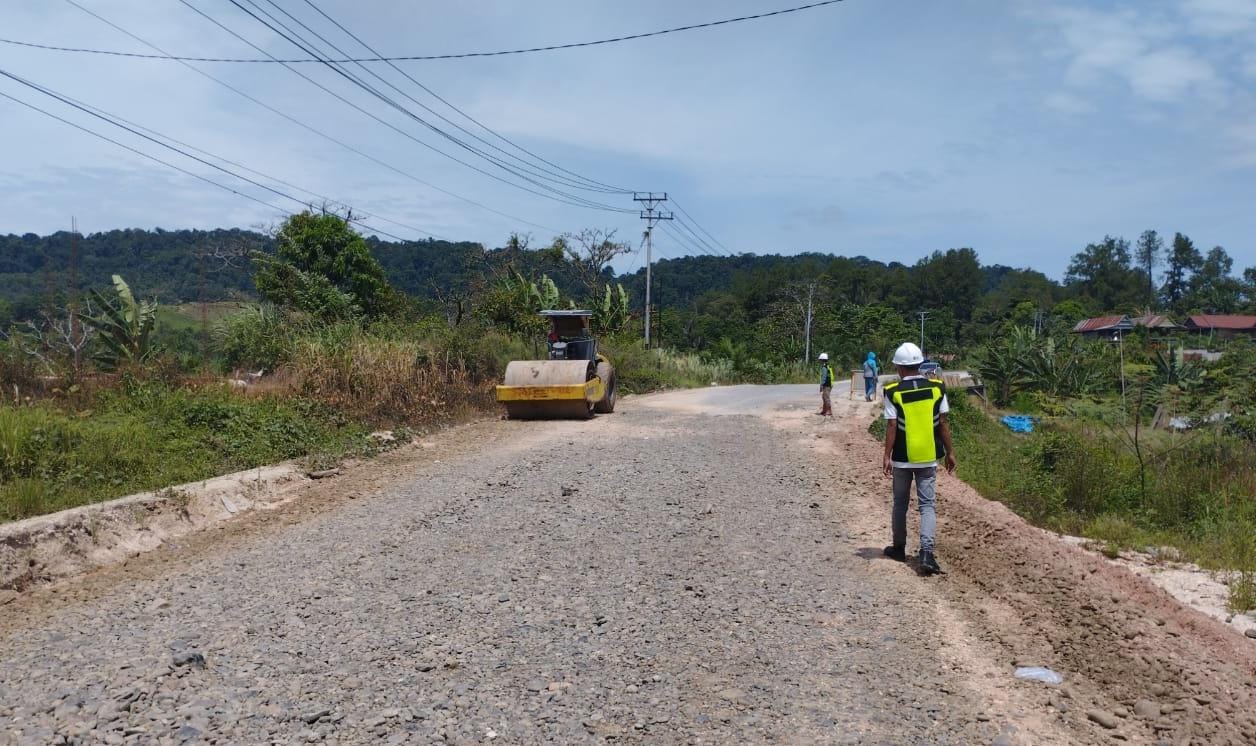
x: 641, y: 370
x: 150, y: 436
x: 1076, y: 478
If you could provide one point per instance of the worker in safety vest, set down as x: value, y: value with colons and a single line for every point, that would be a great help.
x: 826, y: 385
x: 917, y: 436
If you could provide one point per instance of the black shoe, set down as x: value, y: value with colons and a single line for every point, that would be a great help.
x: 929, y: 564
x: 895, y: 552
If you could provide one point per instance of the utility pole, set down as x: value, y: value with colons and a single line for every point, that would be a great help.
x: 73, y: 295
x: 1120, y: 343
x: 651, y: 215
x: 923, y: 315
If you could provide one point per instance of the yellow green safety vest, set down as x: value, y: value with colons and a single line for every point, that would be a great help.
x: 832, y: 379
x: 918, y: 403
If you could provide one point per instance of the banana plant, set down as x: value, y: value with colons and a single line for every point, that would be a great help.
x: 612, y: 312
x: 124, y: 326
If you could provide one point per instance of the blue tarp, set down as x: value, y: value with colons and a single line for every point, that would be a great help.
x: 1018, y: 423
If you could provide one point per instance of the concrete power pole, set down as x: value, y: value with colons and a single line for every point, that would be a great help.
x: 923, y: 315
x: 651, y: 216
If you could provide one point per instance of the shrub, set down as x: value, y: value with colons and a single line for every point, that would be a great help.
x: 259, y: 337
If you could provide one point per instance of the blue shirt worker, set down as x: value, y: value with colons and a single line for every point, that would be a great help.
x: 870, y: 371
x: 826, y: 385
x: 917, y: 436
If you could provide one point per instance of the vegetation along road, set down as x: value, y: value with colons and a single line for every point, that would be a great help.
x: 701, y: 566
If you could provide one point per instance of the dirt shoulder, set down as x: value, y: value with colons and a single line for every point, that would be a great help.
x: 1125, y: 648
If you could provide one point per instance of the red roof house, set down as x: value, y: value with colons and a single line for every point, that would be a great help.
x: 1222, y: 325
x: 1104, y: 326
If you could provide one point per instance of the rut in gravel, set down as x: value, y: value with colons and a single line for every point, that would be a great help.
x: 650, y: 576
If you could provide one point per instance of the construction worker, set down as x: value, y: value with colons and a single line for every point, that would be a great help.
x: 917, y: 436
x: 826, y: 385
x: 870, y: 371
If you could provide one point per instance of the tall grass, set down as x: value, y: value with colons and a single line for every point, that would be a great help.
x: 641, y: 370
x: 399, y: 375
x: 1076, y: 478
x: 144, y: 436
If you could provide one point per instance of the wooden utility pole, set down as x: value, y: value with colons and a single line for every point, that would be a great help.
x: 651, y: 216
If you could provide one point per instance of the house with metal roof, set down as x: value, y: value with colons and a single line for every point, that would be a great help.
x: 1156, y: 323
x: 1222, y: 326
x: 1104, y: 326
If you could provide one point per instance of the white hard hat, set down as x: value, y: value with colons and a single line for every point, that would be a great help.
x: 824, y: 356
x: 908, y: 354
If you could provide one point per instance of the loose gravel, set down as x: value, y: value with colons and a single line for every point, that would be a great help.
x: 647, y: 576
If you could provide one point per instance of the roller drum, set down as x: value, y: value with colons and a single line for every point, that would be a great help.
x: 544, y: 376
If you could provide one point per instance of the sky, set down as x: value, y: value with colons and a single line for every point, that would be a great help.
x: 1024, y: 129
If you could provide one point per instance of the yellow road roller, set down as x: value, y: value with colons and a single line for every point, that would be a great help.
x: 573, y: 383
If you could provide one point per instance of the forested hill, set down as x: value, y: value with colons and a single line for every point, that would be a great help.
x: 700, y: 298
x: 190, y: 265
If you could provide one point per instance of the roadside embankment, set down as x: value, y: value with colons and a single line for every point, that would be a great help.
x: 44, y: 548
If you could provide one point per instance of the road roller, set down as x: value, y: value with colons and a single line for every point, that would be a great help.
x: 572, y: 383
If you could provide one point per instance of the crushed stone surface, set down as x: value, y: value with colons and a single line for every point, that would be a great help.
x: 678, y: 572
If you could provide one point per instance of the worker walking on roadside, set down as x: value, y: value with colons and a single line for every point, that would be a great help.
x: 917, y: 436
x: 826, y: 386
x: 870, y: 371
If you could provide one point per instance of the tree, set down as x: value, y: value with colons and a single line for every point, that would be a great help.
x: 804, y: 296
x: 953, y: 281
x: 1102, y: 274
x: 590, y: 252
x: 323, y: 267
x: 1184, y: 260
x: 1213, y: 288
x: 1147, y: 255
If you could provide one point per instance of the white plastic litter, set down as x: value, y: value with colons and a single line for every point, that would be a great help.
x: 1040, y: 674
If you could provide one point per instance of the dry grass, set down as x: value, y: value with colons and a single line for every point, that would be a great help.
x: 386, y: 380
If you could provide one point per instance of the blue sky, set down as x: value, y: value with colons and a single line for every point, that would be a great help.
x: 888, y: 128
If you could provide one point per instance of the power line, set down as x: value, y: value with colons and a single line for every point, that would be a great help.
x: 685, y: 241
x: 314, y: 130
x: 53, y: 94
x: 548, y: 175
x: 411, y: 58
x: 701, y: 241
x: 694, y: 220
x: 326, y: 200
x: 482, y: 126
x: 555, y: 194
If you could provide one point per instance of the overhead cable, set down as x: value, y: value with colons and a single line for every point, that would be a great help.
x: 176, y: 167
x: 455, y: 56
x: 480, y: 124
x: 548, y: 175
x: 694, y: 220
x: 547, y: 192
x: 309, y: 128
x: 324, y: 198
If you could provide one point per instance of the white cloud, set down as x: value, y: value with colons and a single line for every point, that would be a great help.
x: 1220, y: 17
x: 1167, y: 75
x: 1138, y: 49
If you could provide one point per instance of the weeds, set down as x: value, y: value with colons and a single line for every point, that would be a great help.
x: 1076, y: 479
x: 145, y: 436
x: 1242, y: 596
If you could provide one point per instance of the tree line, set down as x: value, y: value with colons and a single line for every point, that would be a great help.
x: 758, y: 306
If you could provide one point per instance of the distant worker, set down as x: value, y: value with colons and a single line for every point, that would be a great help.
x: 870, y: 376
x: 826, y: 385
x: 917, y: 435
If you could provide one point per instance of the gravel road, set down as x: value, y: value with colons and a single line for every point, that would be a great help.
x: 699, y: 567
